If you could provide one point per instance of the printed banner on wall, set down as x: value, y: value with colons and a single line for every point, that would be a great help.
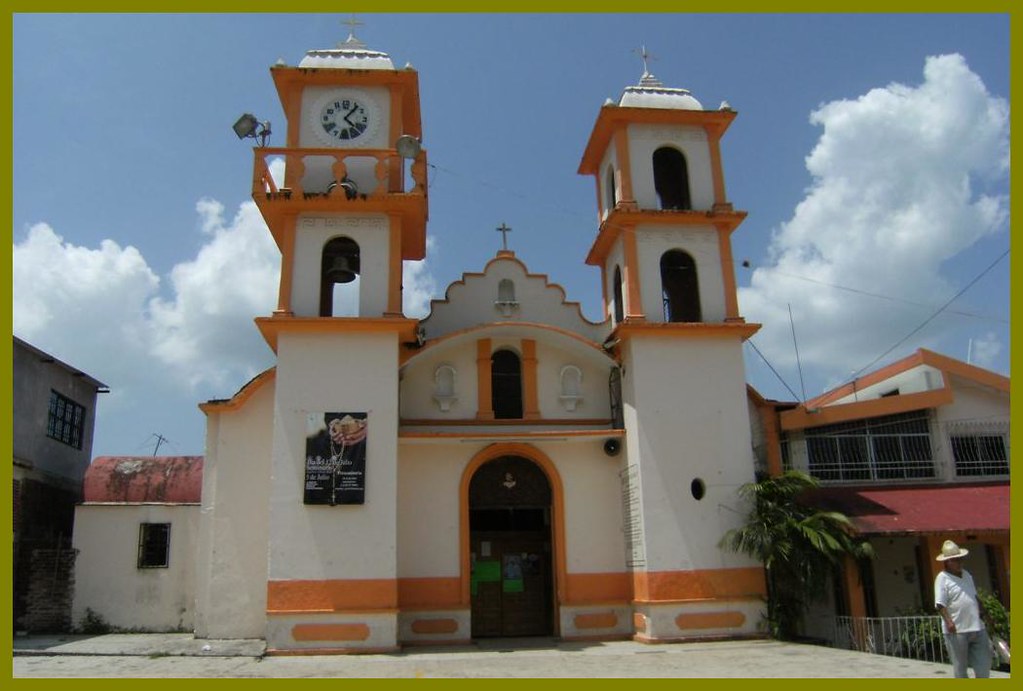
x: 335, y: 458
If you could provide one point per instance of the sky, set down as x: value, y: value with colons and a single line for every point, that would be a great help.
x: 871, y: 153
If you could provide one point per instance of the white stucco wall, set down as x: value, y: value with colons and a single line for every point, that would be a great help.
x: 915, y: 380
x: 686, y: 418
x: 372, y: 233
x: 471, y: 302
x: 316, y: 373
x: 231, y: 558
x: 691, y: 141
x: 108, y: 580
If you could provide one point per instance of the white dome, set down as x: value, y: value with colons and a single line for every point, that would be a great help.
x: 651, y: 93
x: 351, y: 54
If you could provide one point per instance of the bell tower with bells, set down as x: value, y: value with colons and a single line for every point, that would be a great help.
x: 663, y: 247
x: 351, y: 207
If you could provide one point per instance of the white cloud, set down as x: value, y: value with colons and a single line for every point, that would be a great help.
x: 418, y: 284
x: 985, y: 349
x: 893, y: 198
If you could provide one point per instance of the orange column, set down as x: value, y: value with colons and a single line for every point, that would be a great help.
x: 728, y: 273
x: 287, y: 268
x: 530, y: 400
x: 633, y: 297
x: 715, y: 167
x: 396, y: 164
x: 931, y: 545
x: 484, y: 403
x: 394, y: 278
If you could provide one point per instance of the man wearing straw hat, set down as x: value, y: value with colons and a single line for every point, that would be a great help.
x: 962, y: 614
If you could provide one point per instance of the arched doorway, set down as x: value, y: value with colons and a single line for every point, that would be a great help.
x: 511, y: 558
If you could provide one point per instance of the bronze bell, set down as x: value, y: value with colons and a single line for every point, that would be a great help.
x: 342, y: 270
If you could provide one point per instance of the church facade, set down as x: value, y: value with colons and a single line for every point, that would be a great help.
x: 502, y: 467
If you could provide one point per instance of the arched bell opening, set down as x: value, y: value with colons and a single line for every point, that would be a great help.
x: 679, y: 287
x: 339, y: 278
x: 506, y: 385
x: 671, y: 179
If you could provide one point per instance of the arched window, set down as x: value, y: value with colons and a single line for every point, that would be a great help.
x: 619, y: 297
x: 339, y: 278
x: 671, y: 179
x: 679, y: 287
x: 506, y: 385
x: 506, y: 290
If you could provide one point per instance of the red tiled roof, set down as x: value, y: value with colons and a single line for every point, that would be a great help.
x: 132, y: 479
x: 906, y: 510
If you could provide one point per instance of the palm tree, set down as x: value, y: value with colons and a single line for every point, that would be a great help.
x: 799, y: 545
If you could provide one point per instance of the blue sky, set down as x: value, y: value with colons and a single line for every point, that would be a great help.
x: 871, y: 152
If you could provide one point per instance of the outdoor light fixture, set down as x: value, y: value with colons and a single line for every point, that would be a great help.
x: 248, y: 126
x: 408, y: 146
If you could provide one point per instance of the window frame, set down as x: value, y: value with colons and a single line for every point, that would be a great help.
x: 149, y: 541
x: 65, y: 420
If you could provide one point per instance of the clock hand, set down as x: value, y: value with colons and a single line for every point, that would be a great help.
x: 348, y: 114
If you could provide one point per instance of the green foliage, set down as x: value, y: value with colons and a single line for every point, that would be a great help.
x: 999, y: 615
x: 800, y: 546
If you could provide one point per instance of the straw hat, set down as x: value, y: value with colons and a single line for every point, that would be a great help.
x: 951, y: 550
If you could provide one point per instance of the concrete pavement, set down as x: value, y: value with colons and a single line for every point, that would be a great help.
x: 182, y: 655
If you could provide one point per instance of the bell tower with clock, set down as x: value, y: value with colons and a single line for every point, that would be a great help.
x: 352, y: 206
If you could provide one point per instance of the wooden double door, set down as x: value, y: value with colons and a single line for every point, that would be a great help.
x: 510, y: 550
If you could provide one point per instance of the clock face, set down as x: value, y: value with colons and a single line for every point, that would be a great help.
x: 346, y: 117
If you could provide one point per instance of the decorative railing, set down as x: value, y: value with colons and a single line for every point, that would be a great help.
x: 389, y: 171
x: 916, y: 638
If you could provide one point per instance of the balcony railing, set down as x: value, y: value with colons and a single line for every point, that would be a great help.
x: 915, y: 638
x: 389, y: 171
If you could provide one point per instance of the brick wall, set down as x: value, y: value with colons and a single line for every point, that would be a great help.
x: 51, y: 586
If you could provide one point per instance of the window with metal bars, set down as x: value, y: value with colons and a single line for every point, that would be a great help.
x: 892, y: 447
x: 154, y: 545
x: 980, y: 454
x: 65, y: 421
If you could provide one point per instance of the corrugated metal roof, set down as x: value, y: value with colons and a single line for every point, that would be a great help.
x: 135, y: 479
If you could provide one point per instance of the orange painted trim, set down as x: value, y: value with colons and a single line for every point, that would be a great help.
x: 337, y: 595
x: 704, y: 584
x: 557, y: 512
x: 238, y: 400
x: 467, y: 422
x: 434, y: 593
x: 434, y: 626
x: 287, y: 247
x: 633, y: 295
x: 546, y: 435
x: 597, y: 620
x: 330, y: 632
x: 728, y: 273
x: 855, y: 598
x: 592, y: 588
x: 484, y: 392
x: 802, y: 418
x: 922, y: 356
x: 272, y: 327
x: 710, y: 620
x: 715, y: 220
x: 496, y: 328
x: 622, y: 158
x: 716, y: 170
x: 613, y: 119
x: 530, y: 399
x: 688, y: 329
x: 394, y: 306
x: 510, y: 256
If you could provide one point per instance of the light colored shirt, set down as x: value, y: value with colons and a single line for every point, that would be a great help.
x: 958, y: 595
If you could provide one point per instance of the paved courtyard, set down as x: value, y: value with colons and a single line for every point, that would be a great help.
x: 182, y: 655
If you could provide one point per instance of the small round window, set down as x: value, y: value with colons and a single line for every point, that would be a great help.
x: 698, y: 488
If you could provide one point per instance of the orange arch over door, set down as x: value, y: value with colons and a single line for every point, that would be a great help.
x: 557, y: 514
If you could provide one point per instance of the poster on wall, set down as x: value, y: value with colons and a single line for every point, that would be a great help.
x: 335, y: 458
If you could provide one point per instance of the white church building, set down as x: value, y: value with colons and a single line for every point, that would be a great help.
x: 501, y: 467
